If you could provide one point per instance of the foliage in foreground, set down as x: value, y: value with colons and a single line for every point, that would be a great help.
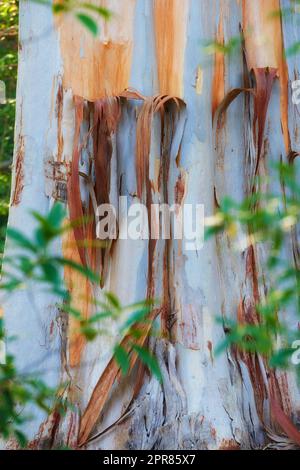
x: 33, y: 263
x: 269, y: 219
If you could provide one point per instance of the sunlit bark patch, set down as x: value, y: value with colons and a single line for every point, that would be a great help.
x: 218, y: 84
x: 170, y: 19
x: 264, y: 48
x: 98, y: 67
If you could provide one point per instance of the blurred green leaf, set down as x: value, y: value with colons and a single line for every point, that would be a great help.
x: 20, y: 239
x: 122, y: 358
x: 88, y: 22
x: 100, y: 10
x: 85, y: 271
x: 148, y: 359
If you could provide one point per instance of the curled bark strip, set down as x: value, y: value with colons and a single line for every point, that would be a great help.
x: 143, y: 139
x: 228, y: 99
x: 132, y: 94
x: 104, y: 115
x: 172, y: 121
x: 292, y: 156
x: 104, y: 385
x: 264, y: 79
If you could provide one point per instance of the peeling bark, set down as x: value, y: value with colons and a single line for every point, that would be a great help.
x: 136, y: 113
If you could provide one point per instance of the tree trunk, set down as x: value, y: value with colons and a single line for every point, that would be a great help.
x: 178, y: 151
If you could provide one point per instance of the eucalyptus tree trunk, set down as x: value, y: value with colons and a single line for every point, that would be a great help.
x: 83, y: 99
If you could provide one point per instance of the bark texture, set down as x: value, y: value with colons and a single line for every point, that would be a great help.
x: 143, y: 101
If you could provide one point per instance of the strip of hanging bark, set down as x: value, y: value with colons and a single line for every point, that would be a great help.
x: 257, y: 366
x: 106, y: 116
x: 109, y: 376
x: 143, y: 136
x: 107, y: 113
x: 170, y: 21
x: 18, y: 181
x: 169, y: 108
x: 79, y: 288
x: 73, y: 185
x: 284, y: 421
x: 247, y: 315
x: 59, y: 116
x: 264, y: 78
x: 228, y: 99
x: 292, y: 156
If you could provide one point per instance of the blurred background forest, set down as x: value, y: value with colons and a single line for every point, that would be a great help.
x: 8, y: 74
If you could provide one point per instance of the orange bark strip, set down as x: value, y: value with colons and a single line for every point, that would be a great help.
x: 104, y: 385
x: 74, y: 197
x: 264, y: 83
x: 262, y: 30
x: 59, y: 114
x: 98, y: 67
x: 264, y: 48
x: 170, y: 19
x: 218, y: 85
x: 79, y: 289
x: 284, y: 422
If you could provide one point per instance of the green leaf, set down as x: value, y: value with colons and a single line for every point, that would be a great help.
x: 20, y: 239
x: 122, y: 358
x: 100, y: 316
x: 138, y: 316
x: 86, y: 272
x: 113, y: 300
x: 51, y: 273
x: 100, y: 10
x: 293, y: 50
x: 49, y: 226
x: 88, y: 22
x: 59, y: 8
x: 21, y: 438
x: 147, y: 358
x: 39, y: 236
x: 25, y: 265
x: 223, y: 345
x: 73, y: 312
x: 56, y: 215
x: 281, y: 358
x: 89, y: 332
x: 11, y: 285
